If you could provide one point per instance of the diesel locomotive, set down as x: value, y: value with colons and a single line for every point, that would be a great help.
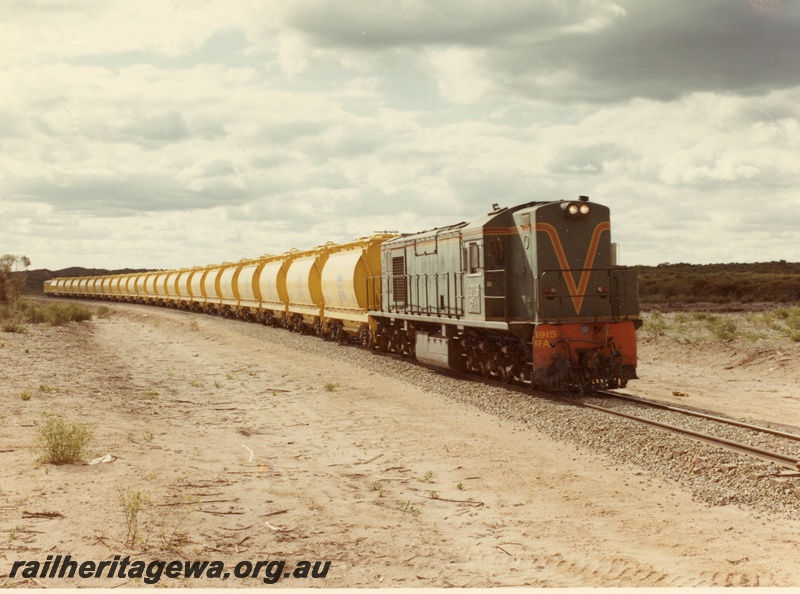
x: 528, y: 295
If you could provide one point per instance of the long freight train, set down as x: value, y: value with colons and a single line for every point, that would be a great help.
x: 528, y: 294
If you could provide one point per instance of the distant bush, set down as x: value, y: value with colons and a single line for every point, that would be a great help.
x: 720, y: 283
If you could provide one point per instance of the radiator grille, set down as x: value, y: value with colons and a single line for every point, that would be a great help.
x: 399, y: 279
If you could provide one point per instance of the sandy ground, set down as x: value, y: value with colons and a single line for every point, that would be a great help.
x: 249, y: 451
x: 752, y: 379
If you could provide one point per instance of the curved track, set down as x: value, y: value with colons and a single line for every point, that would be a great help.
x: 781, y: 460
x: 701, y: 415
x: 777, y: 458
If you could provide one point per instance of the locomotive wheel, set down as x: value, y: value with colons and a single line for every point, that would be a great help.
x: 508, y: 373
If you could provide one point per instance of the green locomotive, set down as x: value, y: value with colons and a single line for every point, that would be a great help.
x: 528, y: 294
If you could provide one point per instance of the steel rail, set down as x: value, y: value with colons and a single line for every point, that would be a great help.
x: 694, y: 413
x: 766, y: 455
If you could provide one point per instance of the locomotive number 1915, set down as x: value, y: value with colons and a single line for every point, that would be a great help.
x: 542, y: 338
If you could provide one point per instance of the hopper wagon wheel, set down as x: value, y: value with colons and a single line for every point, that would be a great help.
x: 334, y: 332
x: 366, y: 338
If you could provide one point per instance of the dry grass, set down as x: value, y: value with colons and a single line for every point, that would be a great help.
x: 26, y: 311
x: 61, y: 442
x: 777, y: 325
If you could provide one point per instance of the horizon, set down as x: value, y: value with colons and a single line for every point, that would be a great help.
x: 118, y: 270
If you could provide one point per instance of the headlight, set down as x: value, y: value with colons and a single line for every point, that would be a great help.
x: 575, y: 209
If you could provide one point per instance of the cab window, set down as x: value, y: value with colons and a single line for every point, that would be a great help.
x: 475, y: 264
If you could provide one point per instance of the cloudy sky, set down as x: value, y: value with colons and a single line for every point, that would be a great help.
x: 166, y: 134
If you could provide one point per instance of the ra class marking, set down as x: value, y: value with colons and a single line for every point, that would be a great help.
x: 542, y: 338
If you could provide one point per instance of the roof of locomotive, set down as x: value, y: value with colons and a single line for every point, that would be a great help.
x: 406, y: 237
x: 497, y: 217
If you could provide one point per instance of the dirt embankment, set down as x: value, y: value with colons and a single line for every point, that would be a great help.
x: 245, y: 448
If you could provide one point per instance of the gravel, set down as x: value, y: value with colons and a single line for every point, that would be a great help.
x: 714, y: 476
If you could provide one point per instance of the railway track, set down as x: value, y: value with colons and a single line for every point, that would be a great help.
x: 788, y: 461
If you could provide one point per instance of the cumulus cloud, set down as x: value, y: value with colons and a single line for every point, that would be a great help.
x: 153, y: 134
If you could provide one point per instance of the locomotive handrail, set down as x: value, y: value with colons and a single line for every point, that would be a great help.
x: 414, y: 304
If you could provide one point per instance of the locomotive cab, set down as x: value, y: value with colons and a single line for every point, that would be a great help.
x: 587, y: 309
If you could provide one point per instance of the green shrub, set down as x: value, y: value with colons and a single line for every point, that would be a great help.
x: 61, y: 442
x: 722, y: 328
x: 59, y: 314
x: 32, y: 312
x: 785, y: 320
x: 25, y: 311
x: 704, y: 315
x: 133, y: 502
x: 655, y: 323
